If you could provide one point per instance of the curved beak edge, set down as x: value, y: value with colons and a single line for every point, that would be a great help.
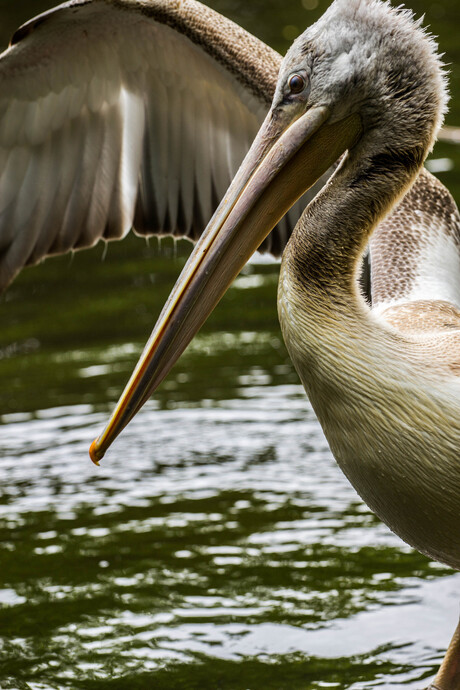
x: 283, y: 162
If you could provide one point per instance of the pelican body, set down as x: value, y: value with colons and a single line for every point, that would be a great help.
x: 387, y: 398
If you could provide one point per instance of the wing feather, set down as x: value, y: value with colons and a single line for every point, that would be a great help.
x: 114, y: 114
x: 124, y: 113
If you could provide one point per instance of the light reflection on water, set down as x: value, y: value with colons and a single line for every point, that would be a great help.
x: 221, y: 533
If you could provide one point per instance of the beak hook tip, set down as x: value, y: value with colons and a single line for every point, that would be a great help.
x: 95, y: 453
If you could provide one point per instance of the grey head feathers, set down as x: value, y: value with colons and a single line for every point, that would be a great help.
x: 366, y: 56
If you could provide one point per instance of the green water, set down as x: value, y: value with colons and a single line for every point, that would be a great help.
x: 218, y: 546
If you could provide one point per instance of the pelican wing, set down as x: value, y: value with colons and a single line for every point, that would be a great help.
x: 415, y: 261
x: 124, y: 113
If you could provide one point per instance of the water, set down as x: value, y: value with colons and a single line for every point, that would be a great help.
x: 218, y: 546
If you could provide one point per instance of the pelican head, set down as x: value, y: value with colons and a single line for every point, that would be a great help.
x: 367, y: 58
x: 365, y: 80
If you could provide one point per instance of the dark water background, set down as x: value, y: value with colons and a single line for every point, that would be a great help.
x: 218, y: 546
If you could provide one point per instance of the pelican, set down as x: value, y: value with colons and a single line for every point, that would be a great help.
x: 365, y: 83
x: 363, y: 86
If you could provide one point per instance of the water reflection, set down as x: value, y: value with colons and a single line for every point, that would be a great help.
x: 219, y: 542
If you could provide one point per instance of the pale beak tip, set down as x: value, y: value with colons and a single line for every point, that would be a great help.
x: 95, y: 453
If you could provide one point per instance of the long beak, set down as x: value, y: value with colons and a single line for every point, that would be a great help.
x: 283, y: 162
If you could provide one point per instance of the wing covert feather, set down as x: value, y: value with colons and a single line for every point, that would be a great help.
x: 123, y: 113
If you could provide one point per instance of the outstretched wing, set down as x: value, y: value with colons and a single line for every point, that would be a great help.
x: 124, y: 113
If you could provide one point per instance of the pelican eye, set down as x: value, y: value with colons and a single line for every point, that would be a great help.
x: 296, y: 83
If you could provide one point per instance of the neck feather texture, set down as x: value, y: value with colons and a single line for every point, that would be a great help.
x: 328, y: 242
